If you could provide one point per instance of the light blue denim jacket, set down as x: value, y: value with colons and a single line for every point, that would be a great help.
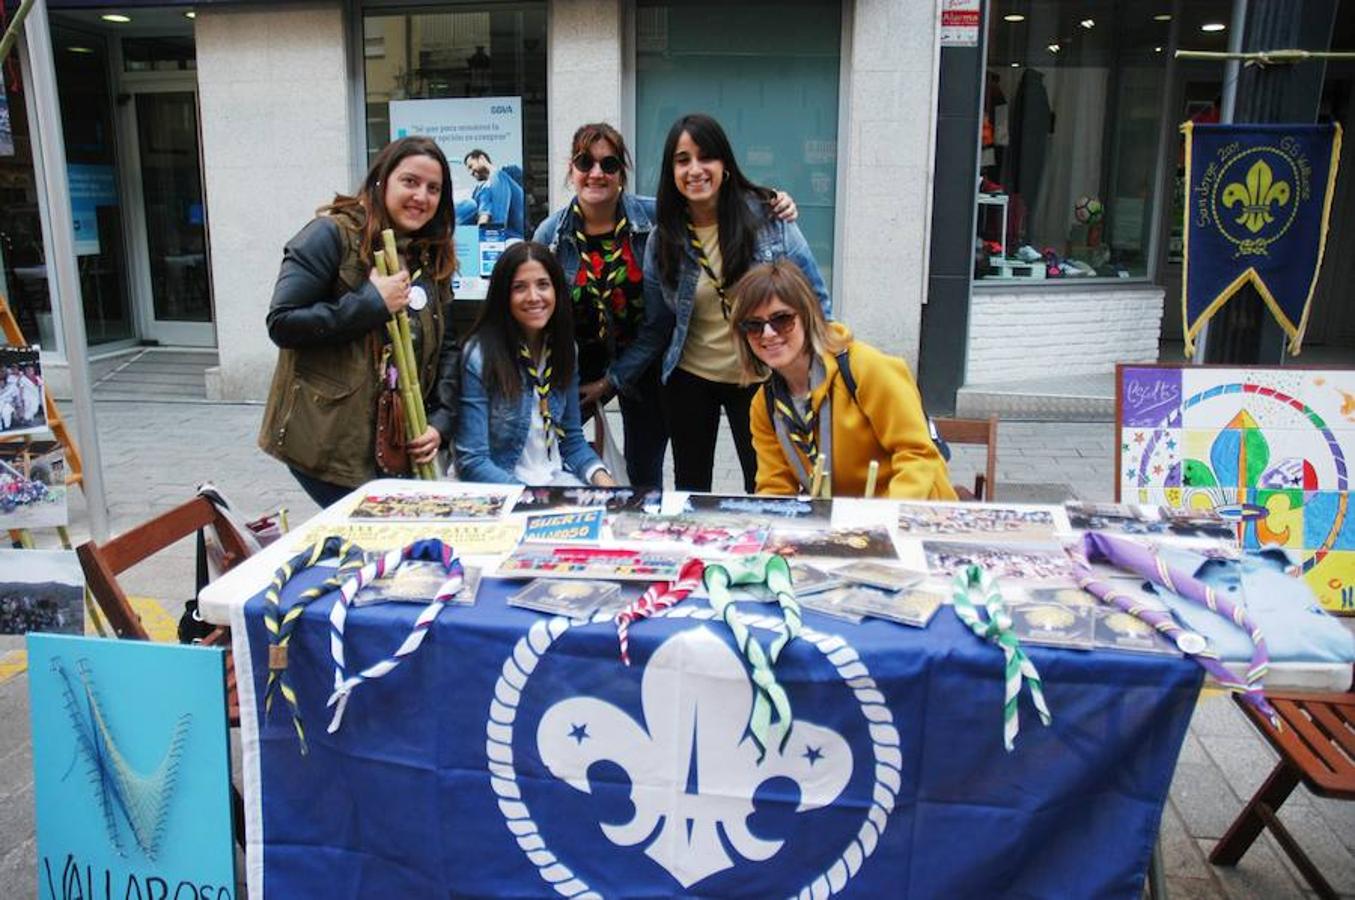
x: 557, y: 232
x: 491, y: 431
x: 668, y: 308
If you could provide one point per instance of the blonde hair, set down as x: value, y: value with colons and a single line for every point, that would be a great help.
x: 782, y: 279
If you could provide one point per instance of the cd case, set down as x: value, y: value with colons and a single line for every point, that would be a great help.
x: 416, y: 581
x: 572, y: 598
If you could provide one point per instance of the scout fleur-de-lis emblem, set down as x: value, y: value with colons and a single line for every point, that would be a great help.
x: 693, y: 768
x: 1256, y: 196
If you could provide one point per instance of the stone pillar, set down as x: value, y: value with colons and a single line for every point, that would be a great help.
x: 886, y: 158
x: 584, y: 78
x: 273, y: 90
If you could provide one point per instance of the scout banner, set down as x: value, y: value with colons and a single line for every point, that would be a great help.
x: 1257, y: 210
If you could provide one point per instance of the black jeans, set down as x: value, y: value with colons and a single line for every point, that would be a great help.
x: 692, y: 405
x: 324, y: 493
x: 643, y: 428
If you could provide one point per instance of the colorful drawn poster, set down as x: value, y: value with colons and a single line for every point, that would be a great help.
x: 1268, y: 449
x: 131, y: 774
x: 32, y: 484
x: 41, y: 590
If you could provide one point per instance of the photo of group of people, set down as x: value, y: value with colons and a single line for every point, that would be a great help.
x: 32, y: 484
x: 430, y: 506
x: 992, y: 522
x: 42, y: 590
x: 1019, y: 561
x: 22, y: 409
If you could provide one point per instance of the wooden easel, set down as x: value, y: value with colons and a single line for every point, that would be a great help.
x: 75, y: 474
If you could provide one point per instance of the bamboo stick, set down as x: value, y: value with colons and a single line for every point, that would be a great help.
x: 871, y: 474
x: 816, y: 481
x: 402, y: 346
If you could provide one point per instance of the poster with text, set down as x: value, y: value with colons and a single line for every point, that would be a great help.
x: 131, y: 775
x: 92, y: 186
x: 482, y: 138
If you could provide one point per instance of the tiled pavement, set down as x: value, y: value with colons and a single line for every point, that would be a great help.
x: 155, y: 454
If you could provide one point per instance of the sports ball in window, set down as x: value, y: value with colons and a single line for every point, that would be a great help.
x: 1087, y: 210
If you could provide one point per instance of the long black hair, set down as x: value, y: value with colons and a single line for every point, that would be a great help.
x: 739, y: 223
x: 435, y: 237
x: 499, y: 334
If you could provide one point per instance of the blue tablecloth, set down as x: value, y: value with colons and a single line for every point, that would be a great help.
x: 515, y: 756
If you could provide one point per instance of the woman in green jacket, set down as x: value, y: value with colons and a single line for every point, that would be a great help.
x: 329, y: 313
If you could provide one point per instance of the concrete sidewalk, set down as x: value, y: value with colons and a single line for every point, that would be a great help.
x: 155, y: 454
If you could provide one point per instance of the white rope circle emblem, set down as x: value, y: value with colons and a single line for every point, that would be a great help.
x: 517, y: 671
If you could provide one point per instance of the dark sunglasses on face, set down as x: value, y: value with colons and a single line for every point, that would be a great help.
x: 781, y: 323
x: 610, y: 164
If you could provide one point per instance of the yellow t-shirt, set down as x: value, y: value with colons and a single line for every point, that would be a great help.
x: 709, y: 350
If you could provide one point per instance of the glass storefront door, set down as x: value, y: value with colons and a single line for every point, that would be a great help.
x: 180, y: 299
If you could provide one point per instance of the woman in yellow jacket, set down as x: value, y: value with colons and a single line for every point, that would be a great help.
x: 807, y: 408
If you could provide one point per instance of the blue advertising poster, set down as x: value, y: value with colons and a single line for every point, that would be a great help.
x: 131, y: 769
x: 91, y: 187
x: 482, y: 138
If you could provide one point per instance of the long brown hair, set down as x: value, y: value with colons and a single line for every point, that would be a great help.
x: 784, y: 280
x: 433, y: 242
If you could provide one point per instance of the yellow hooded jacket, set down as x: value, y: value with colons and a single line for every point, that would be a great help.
x: 885, y: 423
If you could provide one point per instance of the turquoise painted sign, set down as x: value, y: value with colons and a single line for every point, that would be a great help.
x: 131, y: 770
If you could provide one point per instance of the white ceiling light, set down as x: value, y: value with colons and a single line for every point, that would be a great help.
x: 1016, y: 65
x: 1013, y: 17
x: 1213, y: 26
x: 1054, y: 48
x: 1088, y: 23
x: 119, y: 18
x: 1162, y: 17
x: 190, y: 15
x: 80, y: 49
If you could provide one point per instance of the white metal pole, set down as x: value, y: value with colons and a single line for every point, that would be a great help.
x: 63, y: 276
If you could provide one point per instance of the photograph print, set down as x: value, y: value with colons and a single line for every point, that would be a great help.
x: 41, y: 590
x: 22, y: 398
x: 32, y: 484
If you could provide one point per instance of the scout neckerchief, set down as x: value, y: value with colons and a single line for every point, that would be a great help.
x: 1145, y: 562
x: 432, y: 550
x: 280, y: 625
x: 998, y: 629
x: 541, y: 383
x: 773, y: 571
x: 655, y: 599
x: 812, y: 438
x: 704, y: 260
x: 597, y: 286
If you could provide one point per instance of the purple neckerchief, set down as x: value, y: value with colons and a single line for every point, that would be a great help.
x: 1145, y: 562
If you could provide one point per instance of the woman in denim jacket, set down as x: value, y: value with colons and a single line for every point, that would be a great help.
x: 519, y: 420
x: 713, y: 224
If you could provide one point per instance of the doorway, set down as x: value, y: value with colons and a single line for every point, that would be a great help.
x: 148, y: 84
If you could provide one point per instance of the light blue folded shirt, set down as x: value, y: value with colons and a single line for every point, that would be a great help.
x: 1295, y: 626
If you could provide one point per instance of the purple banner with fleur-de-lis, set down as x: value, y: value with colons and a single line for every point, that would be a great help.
x: 1258, y: 198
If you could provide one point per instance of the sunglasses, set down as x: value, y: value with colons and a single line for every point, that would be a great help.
x: 781, y: 323
x: 610, y: 164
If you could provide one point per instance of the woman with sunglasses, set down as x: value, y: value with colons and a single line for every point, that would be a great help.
x: 518, y: 373
x: 713, y: 223
x: 810, y: 408
x: 600, y: 240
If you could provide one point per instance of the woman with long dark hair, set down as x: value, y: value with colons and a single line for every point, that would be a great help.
x: 519, y: 372
x: 329, y: 312
x: 713, y: 224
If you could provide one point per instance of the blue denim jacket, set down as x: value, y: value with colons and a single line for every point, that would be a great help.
x: 557, y: 232
x: 492, y: 431
x: 668, y: 308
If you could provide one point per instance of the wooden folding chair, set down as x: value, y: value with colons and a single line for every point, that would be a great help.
x: 974, y: 431
x: 1316, y: 743
x: 104, y: 562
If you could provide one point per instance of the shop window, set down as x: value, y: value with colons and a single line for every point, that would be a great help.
x: 769, y: 73
x: 496, y: 50
x: 1072, y: 114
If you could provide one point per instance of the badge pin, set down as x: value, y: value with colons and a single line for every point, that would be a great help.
x: 1191, y: 643
x: 418, y: 298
